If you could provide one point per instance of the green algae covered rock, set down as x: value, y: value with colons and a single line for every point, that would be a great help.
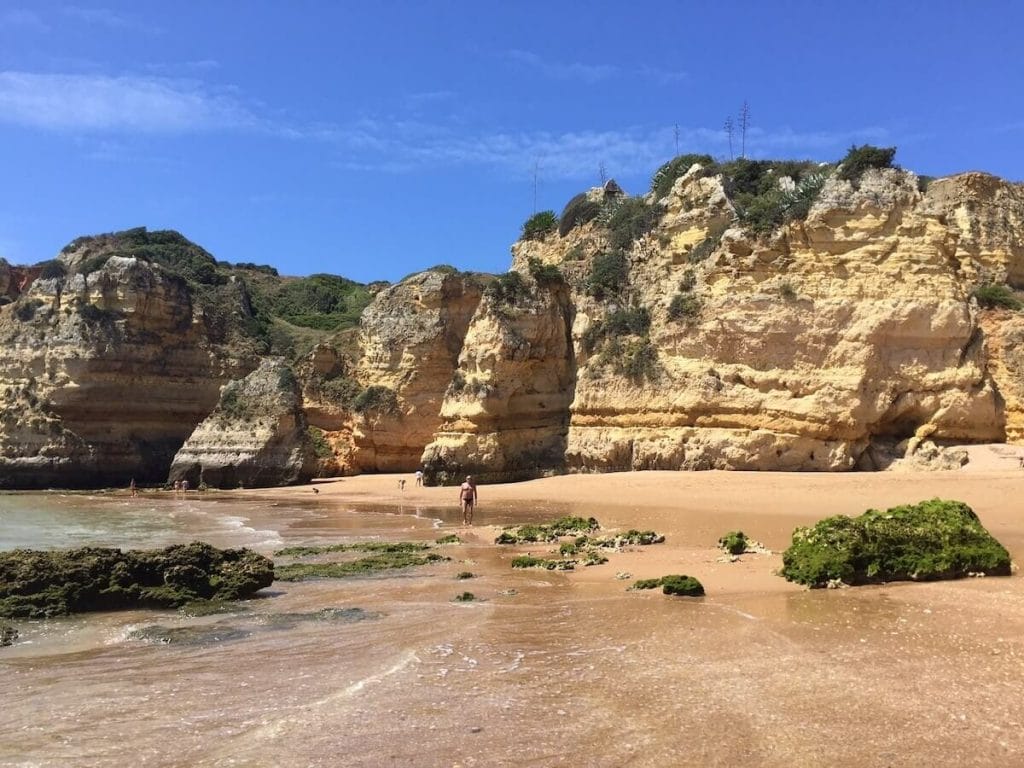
x: 931, y: 540
x: 673, y: 584
x: 39, y: 584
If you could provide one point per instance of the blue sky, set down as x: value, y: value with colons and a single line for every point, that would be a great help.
x: 376, y: 139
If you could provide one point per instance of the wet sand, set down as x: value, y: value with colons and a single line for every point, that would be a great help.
x: 555, y: 668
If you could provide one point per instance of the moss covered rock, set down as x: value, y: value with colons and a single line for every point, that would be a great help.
x: 931, y: 540
x: 673, y: 584
x: 734, y: 542
x: 37, y: 584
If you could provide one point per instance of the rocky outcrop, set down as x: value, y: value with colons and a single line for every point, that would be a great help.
x: 411, y: 337
x: 506, y: 412
x: 256, y: 436
x: 105, y: 373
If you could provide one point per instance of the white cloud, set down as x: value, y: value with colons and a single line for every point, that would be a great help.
x: 103, y: 17
x: 23, y: 19
x: 135, y: 104
x: 590, y: 73
x: 402, y: 146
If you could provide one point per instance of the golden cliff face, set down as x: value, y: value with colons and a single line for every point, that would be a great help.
x: 842, y: 341
x: 103, y: 375
x: 411, y: 336
x: 505, y: 414
x: 255, y: 437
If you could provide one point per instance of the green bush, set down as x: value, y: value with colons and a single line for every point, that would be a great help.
x: 684, y: 306
x: 860, y: 159
x: 25, y: 309
x: 996, y: 296
x: 538, y: 226
x: 544, y: 274
x: 687, y: 586
x: 665, y: 177
x: 636, y: 359
x: 689, y: 281
x: 286, y: 381
x: 321, y: 448
x: 465, y: 597
x: 633, y: 218
x: 734, y: 542
x: 323, y: 302
x: 53, y: 269
x: 508, y: 289
x: 376, y: 399
x: 627, y: 321
x: 93, y: 263
x: 608, y: 274
x: 577, y: 212
x: 934, y: 539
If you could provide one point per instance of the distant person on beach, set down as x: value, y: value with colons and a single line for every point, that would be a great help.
x: 401, y: 483
x: 184, y: 486
x: 177, y: 487
x: 419, y: 477
x: 133, y: 489
x: 467, y: 498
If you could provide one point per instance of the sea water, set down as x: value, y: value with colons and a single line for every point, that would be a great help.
x: 542, y: 669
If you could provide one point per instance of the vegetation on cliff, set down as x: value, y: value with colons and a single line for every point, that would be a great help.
x: 931, y: 540
x: 248, y: 299
x: 36, y: 584
x: 996, y: 296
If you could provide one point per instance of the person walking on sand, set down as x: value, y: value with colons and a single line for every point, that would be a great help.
x: 133, y: 489
x: 467, y: 498
x: 419, y: 478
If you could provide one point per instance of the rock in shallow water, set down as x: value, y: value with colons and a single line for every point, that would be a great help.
x: 37, y: 584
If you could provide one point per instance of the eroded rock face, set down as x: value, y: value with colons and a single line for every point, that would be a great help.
x: 104, y: 375
x: 255, y: 437
x: 411, y: 336
x: 852, y: 327
x: 506, y: 412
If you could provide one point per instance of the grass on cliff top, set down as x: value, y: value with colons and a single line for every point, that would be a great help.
x: 260, y: 304
x: 931, y: 540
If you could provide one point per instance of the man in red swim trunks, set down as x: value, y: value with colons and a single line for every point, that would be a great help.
x: 467, y: 498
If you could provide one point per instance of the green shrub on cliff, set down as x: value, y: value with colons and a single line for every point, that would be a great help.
x: 578, y: 211
x: 377, y: 399
x: 608, y: 275
x: 996, y: 296
x: 860, y: 159
x: 538, y: 226
x: 665, y: 177
x: 545, y: 274
x: 53, y: 269
x: 684, y: 306
x: 37, y: 584
x: 508, y: 289
x: 633, y: 217
x: 931, y: 540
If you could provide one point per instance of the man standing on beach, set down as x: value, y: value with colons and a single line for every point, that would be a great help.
x: 467, y: 497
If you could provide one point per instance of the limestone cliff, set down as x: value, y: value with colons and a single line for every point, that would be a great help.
x: 411, y: 336
x: 839, y: 341
x: 742, y: 315
x: 256, y: 436
x: 104, y: 372
x: 506, y: 412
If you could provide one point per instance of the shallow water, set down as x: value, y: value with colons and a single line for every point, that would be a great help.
x: 545, y: 669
